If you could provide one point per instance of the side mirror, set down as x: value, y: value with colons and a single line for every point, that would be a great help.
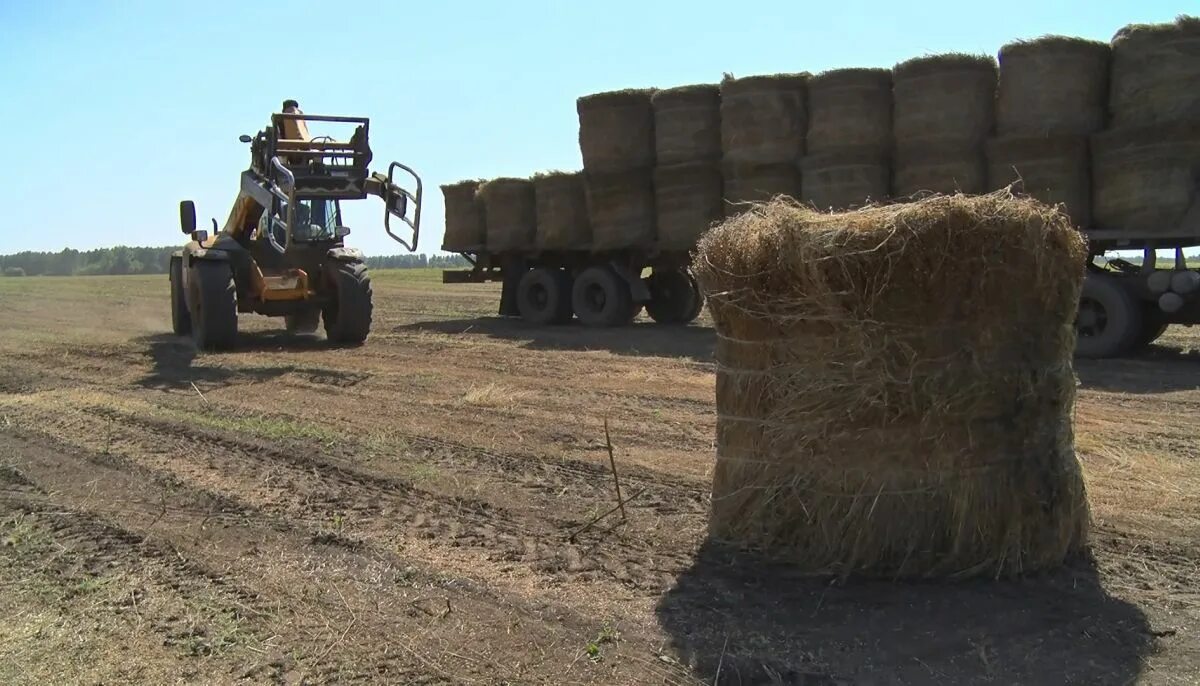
x: 342, y: 231
x: 244, y: 138
x: 187, y: 216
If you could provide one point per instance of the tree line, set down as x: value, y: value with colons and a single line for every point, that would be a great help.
x: 140, y: 260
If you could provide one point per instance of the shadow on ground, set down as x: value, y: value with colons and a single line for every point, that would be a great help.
x: 736, y: 620
x: 641, y: 338
x: 1158, y: 369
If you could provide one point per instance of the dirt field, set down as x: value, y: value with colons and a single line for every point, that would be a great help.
x: 415, y: 512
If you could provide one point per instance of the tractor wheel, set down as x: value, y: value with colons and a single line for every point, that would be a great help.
x: 672, y: 297
x: 348, y: 313
x: 1109, y: 322
x: 303, y: 322
x: 544, y: 296
x: 181, y: 319
x: 601, y: 298
x: 214, y: 305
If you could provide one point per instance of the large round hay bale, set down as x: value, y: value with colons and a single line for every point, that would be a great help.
x: 616, y: 130
x: 882, y: 408
x: 749, y: 183
x: 842, y: 179
x: 687, y: 200
x: 763, y: 119
x: 621, y: 209
x: 1156, y: 74
x: 850, y: 108
x: 943, y: 99
x: 1145, y: 179
x: 687, y: 124
x: 1052, y: 170
x: 1054, y: 85
x: 562, y: 219
x: 938, y: 169
x: 509, y: 213
x: 465, y: 226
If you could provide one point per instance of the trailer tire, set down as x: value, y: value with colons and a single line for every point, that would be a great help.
x: 1109, y: 322
x: 181, y: 319
x: 1154, y: 323
x: 347, y: 314
x: 303, y: 322
x: 672, y: 297
x: 601, y: 298
x: 544, y: 296
x: 213, y: 305
x: 698, y: 302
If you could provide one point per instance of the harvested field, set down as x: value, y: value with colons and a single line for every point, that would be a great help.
x: 403, y: 513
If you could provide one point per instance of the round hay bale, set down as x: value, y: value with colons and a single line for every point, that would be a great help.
x: 943, y: 99
x: 1055, y: 85
x: 509, y: 213
x: 850, y: 108
x: 747, y: 183
x: 562, y: 219
x: 1145, y: 179
x: 843, y: 179
x: 881, y: 406
x: 687, y: 124
x: 1156, y: 74
x: 938, y: 169
x: 465, y: 226
x: 620, y: 209
x: 763, y: 119
x: 1052, y: 170
x: 616, y: 130
x: 687, y: 200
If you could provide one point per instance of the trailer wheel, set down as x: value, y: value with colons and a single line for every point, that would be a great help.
x: 601, y: 298
x: 181, y: 319
x: 1154, y: 323
x: 544, y: 296
x: 303, y: 322
x: 1109, y: 321
x: 213, y: 305
x: 672, y: 297
x: 347, y: 314
x: 698, y: 302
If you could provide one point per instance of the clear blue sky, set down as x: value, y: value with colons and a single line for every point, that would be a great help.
x: 114, y: 111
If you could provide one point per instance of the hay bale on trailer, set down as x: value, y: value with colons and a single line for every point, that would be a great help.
x: 1145, y: 179
x: 509, y: 213
x: 1052, y: 170
x: 1054, y: 85
x: 687, y: 124
x: 844, y: 178
x: 943, y: 99
x: 749, y: 183
x: 763, y: 118
x: 1156, y: 74
x: 687, y: 201
x: 850, y: 108
x: 938, y: 169
x: 465, y: 226
x: 561, y: 208
x: 881, y: 406
x: 616, y: 130
x: 620, y: 209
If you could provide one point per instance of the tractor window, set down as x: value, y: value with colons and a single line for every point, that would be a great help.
x: 316, y: 220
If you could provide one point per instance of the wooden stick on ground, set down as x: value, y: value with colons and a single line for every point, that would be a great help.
x: 612, y: 461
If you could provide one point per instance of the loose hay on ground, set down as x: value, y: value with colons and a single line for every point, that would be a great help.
x: 882, y: 408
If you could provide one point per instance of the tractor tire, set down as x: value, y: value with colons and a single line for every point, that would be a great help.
x: 672, y: 297
x: 1110, y: 320
x: 213, y: 305
x: 544, y: 296
x: 304, y: 322
x: 348, y: 313
x: 181, y: 319
x: 601, y: 298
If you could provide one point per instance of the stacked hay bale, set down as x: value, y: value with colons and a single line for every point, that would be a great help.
x: 943, y: 112
x: 687, y: 180
x: 466, y: 230
x: 848, y: 139
x: 509, y: 213
x: 616, y: 139
x: 1145, y: 165
x: 1052, y: 95
x: 763, y: 124
x: 881, y: 407
x: 561, y: 211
